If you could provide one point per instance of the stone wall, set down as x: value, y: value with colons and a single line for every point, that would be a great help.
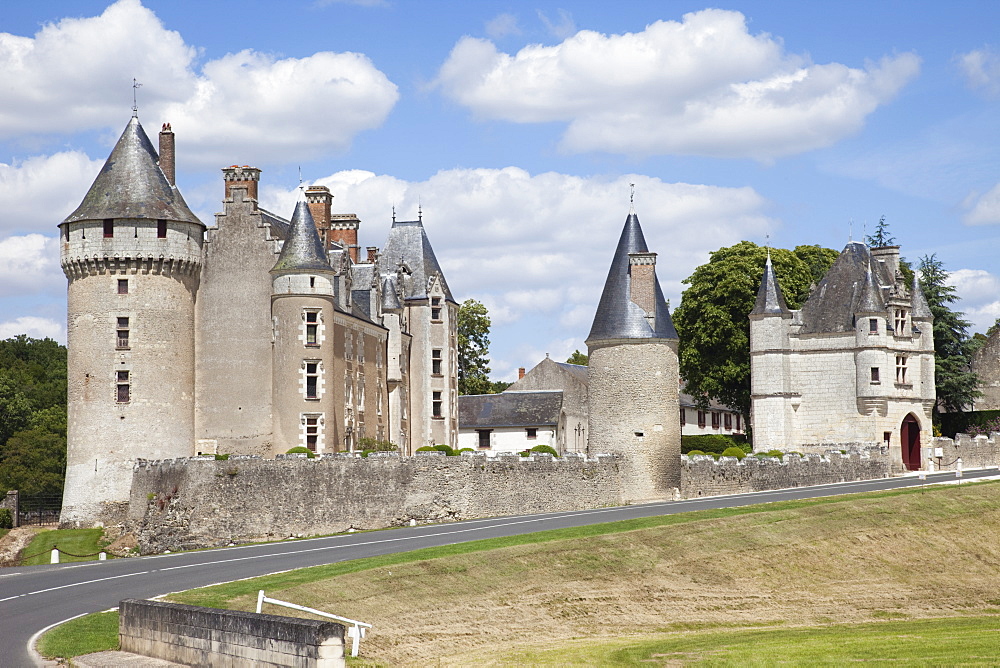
x: 200, y: 502
x: 702, y: 475
x: 10, y: 502
x: 196, y: 636
x: 975, y: 452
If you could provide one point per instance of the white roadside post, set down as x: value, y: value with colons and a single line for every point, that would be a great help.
x: 55, y: 555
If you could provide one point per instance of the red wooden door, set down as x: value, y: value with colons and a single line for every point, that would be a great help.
x: 909, y: 436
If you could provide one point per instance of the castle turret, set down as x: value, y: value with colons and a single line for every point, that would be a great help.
x: 771, y: 399
x: 302, y: 309
x: 634, y: 380
x: 871, y: 332
x: 132, y: 254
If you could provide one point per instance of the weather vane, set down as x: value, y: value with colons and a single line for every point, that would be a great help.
x: 631, y: 193
x: 135, y: 105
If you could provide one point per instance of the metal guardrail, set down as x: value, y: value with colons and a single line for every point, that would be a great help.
x: 356, y: 632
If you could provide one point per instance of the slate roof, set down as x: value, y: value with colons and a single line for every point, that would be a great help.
x: 920, y: 308
x: 769, y: 297
x: 390, y: 300
x: 302, y: 252
x: 408, y: 243
x: 278, y: 224
x: 870, y: 299
x: 509, y: 409
x: 132, y: 185
x: 618, y: 317
x: 831, y: 307
x: 578, y: 370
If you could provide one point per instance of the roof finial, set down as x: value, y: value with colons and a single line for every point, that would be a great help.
x: 420, y: 211
x: 394, y: 213
x: 864, y: 231
x: 300, y: 176
x: 767, y: 245
x: 135, y: 105
x: 850, y: 231
x: 631, y: 193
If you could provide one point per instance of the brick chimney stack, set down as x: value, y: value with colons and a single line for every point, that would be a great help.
x: 241, y: 177
x: 372, y: 254
x: 167, y: 156
x: 320, y: 201
x: 642, y: 285
x: 344, y: 231
x: 520, y: 372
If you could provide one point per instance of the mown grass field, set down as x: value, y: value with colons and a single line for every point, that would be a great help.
x: 914, y: 572
x: 74, y: 541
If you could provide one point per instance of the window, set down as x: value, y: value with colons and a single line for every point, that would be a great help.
x: 312, y: 328
x: 875, y: 374
x: 728, y: 421
x: 900, y: 321
x: 122, y: 333
x: 361, y: 348
x: 361, y: 392
x: 312, y: 281
x: 123, y: 392
x: 715, y: 420
x: 161, y: 229
x: 436, y: 405
x: 901, y: 369
x: 109, y: 228
x: 123, y: 286
x: 484, y: 437
x: 312, y: 380
x: 531, y: 432
x: 435, y: 308
x: 873, y: 325
x: 349, y: 346
x: 701, y: 419
x: 887, y: 437
x: 739, y: 422
x: 436, y: 361
x: 312, y: 432
x: 683, y: 417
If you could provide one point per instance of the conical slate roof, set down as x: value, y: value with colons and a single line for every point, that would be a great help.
x: 131, y: 185
x: 920, y: 307
x: 390, y: 300
x: 408, y: 243
x: 769, y: 297
x: 618, y: 317
x: 870, y: 298
x: 302, y: 252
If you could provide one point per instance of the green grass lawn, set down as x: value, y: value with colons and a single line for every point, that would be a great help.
x: 83, y: 635
x: 74, y: 541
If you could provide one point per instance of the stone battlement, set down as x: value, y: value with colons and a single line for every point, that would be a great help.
x: 974, y: 451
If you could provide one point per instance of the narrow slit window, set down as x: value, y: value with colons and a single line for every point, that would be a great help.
x: 161, y: 229
x: 873, y: 325
x: 109, y: 228
x: 875, y: 374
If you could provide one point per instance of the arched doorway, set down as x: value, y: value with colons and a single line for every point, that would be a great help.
x: 909, y: 436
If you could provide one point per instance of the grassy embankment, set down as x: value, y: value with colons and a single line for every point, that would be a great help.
x: 902, y: 575
x: 74, y: 541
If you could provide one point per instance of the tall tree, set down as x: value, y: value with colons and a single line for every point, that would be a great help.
x: 713, y: 318
x: 881, y: 236
x: 953, y: 347
x: 473, y: 348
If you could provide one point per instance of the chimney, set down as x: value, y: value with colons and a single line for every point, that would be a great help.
x: 888, y: 255
x: 642, y: 284
x: 241, y: 177
x: 167, y: 159
x: 372, y: 254
x: 520, y: 373
x: 344, y: 231
x: 319, y: 200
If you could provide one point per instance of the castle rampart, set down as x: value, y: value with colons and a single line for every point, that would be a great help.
x: 974, y: 451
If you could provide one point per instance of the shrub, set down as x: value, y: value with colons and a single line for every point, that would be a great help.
x: 365, y: 453
x: 775, y: 453
x: 427, y: 448
x: 692, y: 453
x: 735, y: 451
x: 300, y: 449
x: 713, y: 443
x: 466, y: 450
x: 545, y: 449
x: 446, y: 449
x: 377, y: 445
x: 222, y: 458
x: 6, y: 519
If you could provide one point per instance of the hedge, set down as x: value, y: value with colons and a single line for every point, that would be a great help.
x: 714, y: 443
x: 959, y: 423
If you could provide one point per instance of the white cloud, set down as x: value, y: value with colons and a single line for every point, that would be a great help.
x: 981, y: 68
x: 536, y: 248
x: 502, y: 25
x: 561, y: 28
x: 704, y: 86
x: 35, y: 327
x: 30, y: 265
x: 979, y: 291
x: 38, y: 193
x: 76, y: 74
x: 982, y: 209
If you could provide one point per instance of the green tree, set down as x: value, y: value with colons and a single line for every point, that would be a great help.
x: 34, y: 462
x: 498, y: 386
x: 473, y: 348
x: 713, y: 318
x: 953, y: 347
x: 881, y: 236
x: 578, y: 358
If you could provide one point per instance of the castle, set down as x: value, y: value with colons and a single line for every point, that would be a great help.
x: 854, y: 366
x: 250, y: 337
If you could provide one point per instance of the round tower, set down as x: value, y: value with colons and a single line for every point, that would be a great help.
x: 871, y: 362
x: 302, y: 310
x: 771, y: 396
x: 633, y: 373
x: 132, y: 254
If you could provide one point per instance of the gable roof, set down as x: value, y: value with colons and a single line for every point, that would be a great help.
x: 510, y: 409
x: 132, y: 185
x: 618, y: 317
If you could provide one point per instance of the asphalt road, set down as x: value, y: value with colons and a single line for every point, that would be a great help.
x: 35, y: 597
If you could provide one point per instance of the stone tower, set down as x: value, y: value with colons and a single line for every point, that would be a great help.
x: 132, y: 254
x: 634, y: 380
x: 769, y: 383
x: 302, y: 310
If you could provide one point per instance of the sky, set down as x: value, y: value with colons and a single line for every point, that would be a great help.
x: 517, y: 128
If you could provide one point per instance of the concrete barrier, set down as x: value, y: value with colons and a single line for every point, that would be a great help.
x: 196, y: 636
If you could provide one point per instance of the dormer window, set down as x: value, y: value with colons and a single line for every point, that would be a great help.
x: 900, y: 321
x: 435, y: 308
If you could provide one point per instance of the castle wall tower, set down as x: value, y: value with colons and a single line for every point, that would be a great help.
x: 772, y: 401
x: 634, y: 379
x: 302, y: 309
x: 132, y: 254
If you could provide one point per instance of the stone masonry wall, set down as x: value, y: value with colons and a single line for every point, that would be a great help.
x: 200, y: 502
x: 975, y: 451
x: 704, y: 476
